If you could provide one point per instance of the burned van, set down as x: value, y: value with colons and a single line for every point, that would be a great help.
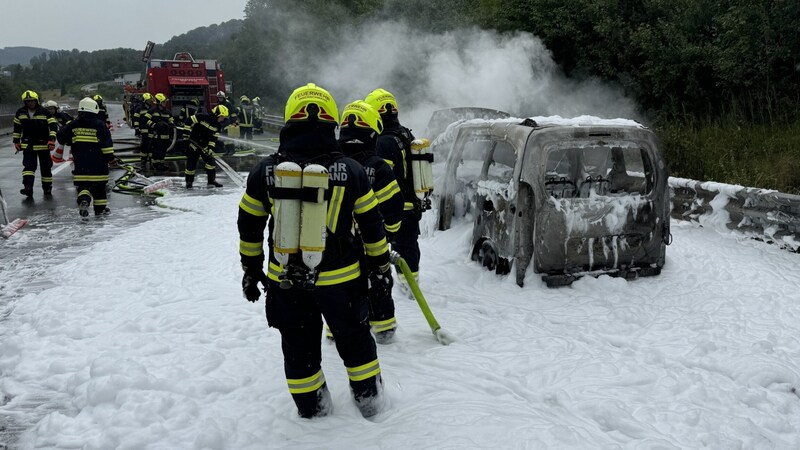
x: 571, y: 197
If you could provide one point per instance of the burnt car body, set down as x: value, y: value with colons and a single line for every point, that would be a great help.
x: 570, y: 198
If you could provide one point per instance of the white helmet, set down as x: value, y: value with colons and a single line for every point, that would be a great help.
x: 88, y: 105
x: 221, y: 94
x: 50, y: 103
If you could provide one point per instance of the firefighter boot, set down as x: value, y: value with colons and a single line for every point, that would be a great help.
x: 83, y: 205
x: 27, y: 192
x: 368, y: 396
x: 314, y: 404
x: 212, y: 179
x: 384, y: 337
x: 189, y: 181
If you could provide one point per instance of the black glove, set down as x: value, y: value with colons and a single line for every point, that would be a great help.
x: 420, y: 206
x: 380, y: 282
x: 250, y: 282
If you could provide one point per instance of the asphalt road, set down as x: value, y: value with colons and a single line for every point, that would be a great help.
x: 56, y: 233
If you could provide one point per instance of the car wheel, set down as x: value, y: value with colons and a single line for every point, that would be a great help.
x: 488, y: 255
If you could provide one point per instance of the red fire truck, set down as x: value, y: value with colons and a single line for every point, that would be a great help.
x: 181, y: 79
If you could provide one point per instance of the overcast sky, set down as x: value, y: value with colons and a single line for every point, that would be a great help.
x: 101, y: 24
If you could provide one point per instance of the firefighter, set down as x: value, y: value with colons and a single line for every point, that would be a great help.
x: 185, y: 125
x: 229, y: 147
x: 247, y: 115
x: 92, y: 152
x: 259, y: 111
x: 297, y: 295
x: 140, y: 124
x: 159, y: 125
x: 137, y: 112
x: 394, y: 146
x: 103, y: 114
x: 202, y: 142
x: 61, y: 117
x: 35, y: 135
x: 358, y: 134
x: 188, y: 110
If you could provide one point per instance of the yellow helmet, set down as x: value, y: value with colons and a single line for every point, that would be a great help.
x: 97, y: 97
x: 220, y: 111
x: 30, y: 95
x: 244, y: 99
x: 146, y: 96
x: 161, y: 98
x: 383, y: 101
x: 361, y: 114
x: 297, y: 107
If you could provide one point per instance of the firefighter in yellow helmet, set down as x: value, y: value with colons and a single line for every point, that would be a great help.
x: 247, y: 114
x: 202, y: 143
x: 140, y: 125
x: 360, y: 127
x: 160, y: 125
x: 258, y: 123
x: 394, y: 146
x: 222, y: 99
x: 34, y: 135
x: 322, y: 277
x: 103, y: 114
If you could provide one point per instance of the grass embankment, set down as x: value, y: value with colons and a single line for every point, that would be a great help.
x: 763, y: 156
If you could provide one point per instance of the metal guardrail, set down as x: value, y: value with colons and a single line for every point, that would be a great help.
x: 8, y: 108
x: 272, y: 121
x: 6, y: 124
x: 763, y: 214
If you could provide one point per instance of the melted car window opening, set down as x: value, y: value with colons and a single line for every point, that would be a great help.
x: 592, y: 170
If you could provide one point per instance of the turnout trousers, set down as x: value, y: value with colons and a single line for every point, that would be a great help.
x: 246, y: 131
x: 297, y: 314
x: 193, y: 153
x: 30, y: 160
x: 146, y: 151
x: 159, y: 147
x: 94, y: 192
x: 406, y: 243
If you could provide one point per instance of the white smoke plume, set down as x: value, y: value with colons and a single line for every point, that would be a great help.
x: 427, y: 71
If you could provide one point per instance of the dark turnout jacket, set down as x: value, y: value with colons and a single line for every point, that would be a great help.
x: 92, y: 147
x: 34, y: 130
x: 350, y: 198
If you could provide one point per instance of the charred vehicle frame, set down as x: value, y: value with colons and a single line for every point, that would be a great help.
x: 570, y: 199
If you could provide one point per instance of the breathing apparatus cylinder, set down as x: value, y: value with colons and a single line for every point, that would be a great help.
x: 287, y: 212
x: 421, y: 167
x: 313, y: 216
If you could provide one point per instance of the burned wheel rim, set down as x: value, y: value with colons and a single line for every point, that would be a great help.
x: 488, y: 255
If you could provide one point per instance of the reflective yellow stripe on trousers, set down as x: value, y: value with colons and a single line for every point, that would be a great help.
x: 364, y: 371
x: 305, y: 385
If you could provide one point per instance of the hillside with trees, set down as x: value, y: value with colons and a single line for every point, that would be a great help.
x: 19, y: 55
x: 718, y: 81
